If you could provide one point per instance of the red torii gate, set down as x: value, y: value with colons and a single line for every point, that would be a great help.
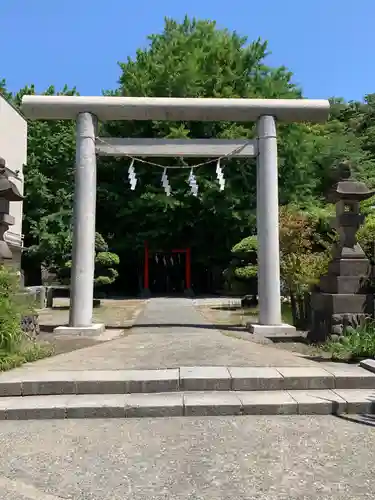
x: 146, y: 273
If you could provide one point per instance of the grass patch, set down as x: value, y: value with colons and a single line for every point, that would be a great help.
x: 286, y: 312
x: 354, y: 344
x: 28, y: 353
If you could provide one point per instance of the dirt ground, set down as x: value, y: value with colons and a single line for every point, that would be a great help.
x: 117, y: 315
x: 237, y: 319
x: 113, y: 313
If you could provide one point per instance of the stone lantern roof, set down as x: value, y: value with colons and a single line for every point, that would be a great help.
x: 8, y: 190
x: 348, y: 189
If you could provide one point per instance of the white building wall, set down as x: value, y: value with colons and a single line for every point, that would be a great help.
x: 13, y: 148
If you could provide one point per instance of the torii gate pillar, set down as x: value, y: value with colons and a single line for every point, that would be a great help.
x: 84, y: 212
x: 270, y: 323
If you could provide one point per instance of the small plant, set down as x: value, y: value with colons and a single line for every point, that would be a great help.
x: 354, y: 343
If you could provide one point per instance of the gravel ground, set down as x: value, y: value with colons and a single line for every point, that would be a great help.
x: 220, y: 458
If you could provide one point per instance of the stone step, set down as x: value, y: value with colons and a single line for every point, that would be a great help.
x: 178, y: 404
x: 368, y: 364
x: 30, y: 382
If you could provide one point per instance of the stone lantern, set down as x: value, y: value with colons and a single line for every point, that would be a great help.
x: 341, y: 297
x: 8, y: 193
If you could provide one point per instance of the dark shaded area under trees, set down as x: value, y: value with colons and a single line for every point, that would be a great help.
x: 188, y: 59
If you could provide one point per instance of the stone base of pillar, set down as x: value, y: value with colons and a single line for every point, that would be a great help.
x: 273, y: 331
x: 95, y: 329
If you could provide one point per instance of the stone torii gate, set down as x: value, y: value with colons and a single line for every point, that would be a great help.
x: 87, y: 110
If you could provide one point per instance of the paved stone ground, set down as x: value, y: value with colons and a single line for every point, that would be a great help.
x: 219, y: 458
x: 170, y: 333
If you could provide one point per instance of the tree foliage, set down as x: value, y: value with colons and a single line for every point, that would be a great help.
x: 304, y: 252
x: 193, y: 58
x: 303, y: 256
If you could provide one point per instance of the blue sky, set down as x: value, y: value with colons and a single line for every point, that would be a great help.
x: 327, y: 44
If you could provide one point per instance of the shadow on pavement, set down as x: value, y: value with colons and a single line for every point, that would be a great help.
x: 233, y: 328
x: 210, y: 326
x: 364, y: 419
x: 50, y: 328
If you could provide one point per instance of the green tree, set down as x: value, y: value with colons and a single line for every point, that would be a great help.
x: 189, y: 59
x: 304, y: 255
x: 48, y: 177
x: 192, y: 59
x: 305, y: 245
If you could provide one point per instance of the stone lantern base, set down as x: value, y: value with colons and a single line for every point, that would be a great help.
x: 342, y: 300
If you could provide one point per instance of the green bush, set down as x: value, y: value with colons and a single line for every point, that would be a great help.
x: 246, y: 272
x: 107, y: 259
x: 10, y: 326
x: 248, y: 245
x: 13, y: 305
x: 15, y: 347
x: 242, y: 273
x: 105, y: 272
x: 354, y: 343
x: 9, y: 282
x: 10, y: 310
x: 366, y: 235
x: 100, y: 243
x: 305, y: 241
x: 105, y: 263
x: 303, y: 256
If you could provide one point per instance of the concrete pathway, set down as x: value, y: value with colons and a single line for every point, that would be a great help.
x: 171, y: 333
x: 215, y: 458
